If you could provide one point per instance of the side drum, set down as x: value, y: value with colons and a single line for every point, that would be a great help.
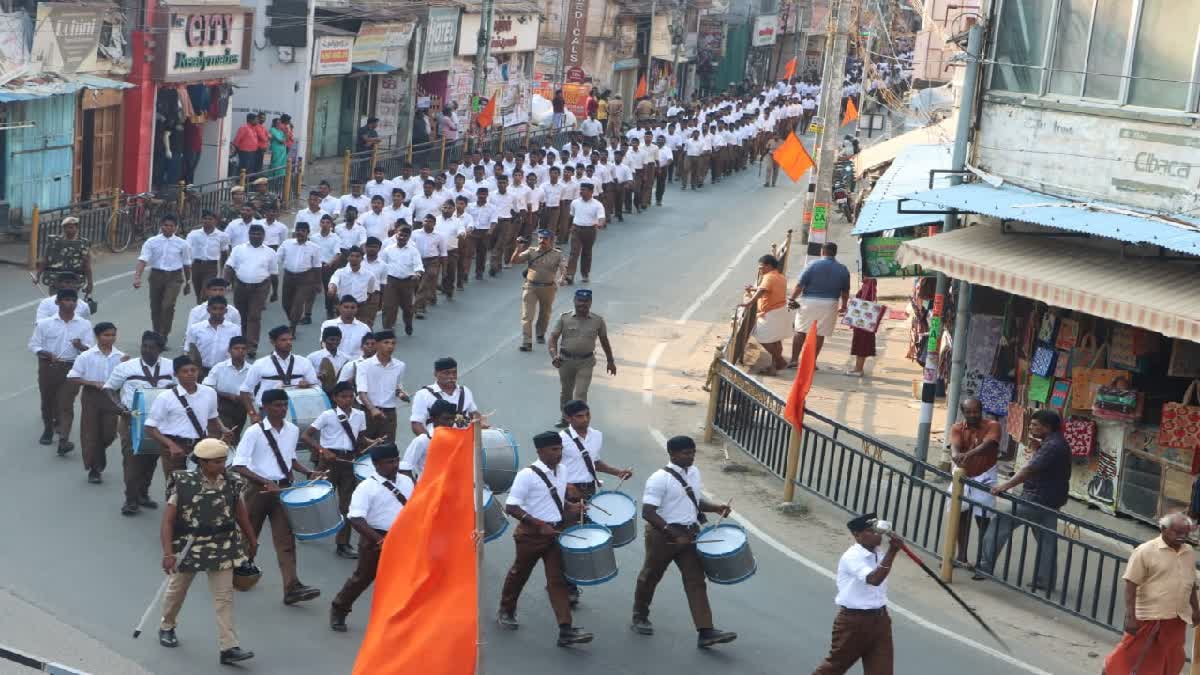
x: 312, y: 509
x: 725, y: 554
x: 305, y: 405
x: 618, y: 512
x: 500, y: 459
x: 588, y: 554
x: 494, y: 521
x: 143, y: 399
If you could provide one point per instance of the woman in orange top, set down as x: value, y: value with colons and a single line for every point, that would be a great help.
x: 773, y: 323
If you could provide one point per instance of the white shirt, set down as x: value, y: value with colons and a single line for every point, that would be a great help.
x: 377, y: 268
x: 330, y: 205
x: 212, y: 342
x: 169, y: 417
x: 376, y: 504
x: 352, y: 335
x: 411, y: 185
x: 205, y: 246
x: 313, y: 218
x: 94, y: 365
x: 392, y: 215
x: 166, y: 253
x: 572, y: 458
x: 483, y: 216
x: 450, y: 229
x: 49, y: 307
x: 252, y: 264
x: 402, y: 262
x: 129, y: 376
x: 226, y: 378
x: 693, y: 147
x: 591, y: 128
x: 350, y: 236
x: 422, y: 205
x: 200, y: 312
x: 414, y: 455
x: 361, y: 202
x: 254, y: 451
x: 377, y: 224
x: 238, y: 230
x: 429, y: 244
x: 380, y: 381
x: 297, y: 258
x: 586, y: 213
x: 570, y: 190
x: 665, y: 493
x: 382, y: 188
x: 853, y: 590
x: 424, y: 397
x: 328, y: 245
x: 336, y: 360
x: 275, y: 233
x: 333, y: 436
x: 503, y: 203
x: 263, y: 376
x: 358, y: 284
x: 665, y: 156
x: 55, y: 336
x: 529, y: 492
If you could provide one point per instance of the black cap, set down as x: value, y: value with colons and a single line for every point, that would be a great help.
x: 547, y: 439
x: 384, y: 451
x: 273, y: 395
x: 861, y: 523
x: 444, y: 363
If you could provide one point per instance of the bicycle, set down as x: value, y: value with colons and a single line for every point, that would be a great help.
x: 136, y: 219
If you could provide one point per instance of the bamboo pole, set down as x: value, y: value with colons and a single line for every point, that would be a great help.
x: 346, y: 174
x: 300, y: 179
x: 375, y: 157
x: 950, y: 537
x: 287, y: 184
x: 114, y: 219
x: 179, y: 196
x: 793, y: 463
x: 442, y: 158
x: 35, y: 226
x: 710, y: 415
x: 1195, y: 656
x: 242, y: 181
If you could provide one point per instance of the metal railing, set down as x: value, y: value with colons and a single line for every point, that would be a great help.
x: 861, y: 474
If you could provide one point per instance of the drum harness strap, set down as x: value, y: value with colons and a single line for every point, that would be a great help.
x: 285, y: 379
x: 287, y: 480
x: 691, y: 494
x: 395, y: 490
x: 462, y: 397
x: 562, y: 514
x: 587, y: 458
x: 345, y: 422
x: 187, y: 408
x: 151, y: 377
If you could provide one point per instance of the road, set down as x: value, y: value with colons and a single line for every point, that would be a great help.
x: 71, y: 555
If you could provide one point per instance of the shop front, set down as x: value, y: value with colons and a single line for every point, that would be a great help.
x: 763, y: 33
x: 331, y: 132
x: 437, y: 60
x: 378, y: 85
x: 510, y: 64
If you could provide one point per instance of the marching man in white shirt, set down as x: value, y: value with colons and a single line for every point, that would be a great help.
x: 862, y: 629
x: 673, y: 507
x: 179, y: 418
x: 587, y: 215
x: 217, y: 286
x: 207, y: 342
x: 538, y: 502
x: 207, y: 246
x: 336, y: 435
x: 226, y: 379
x: 170, y: 263
x: 441, y: 414
x: 445, y: 387
x: 57, y: 341
x: 353, y: 280
x: 380, y: 384
x: 250, y: 268
x: 148, y: 372
x: 376, y: 504
x: 404, y: 270
x: 97, y: 414
x: 280, y: 369
x: 300, y: 260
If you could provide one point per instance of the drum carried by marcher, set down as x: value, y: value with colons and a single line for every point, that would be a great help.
x: 588, y: 554
x: 312, y: 509
x: 141, y: 441
x: 618, y: 512
x: 364, y: 468
x: 305, y: 405
x: 500, y: 459
x: 725, y: 554
x: 494, y: 520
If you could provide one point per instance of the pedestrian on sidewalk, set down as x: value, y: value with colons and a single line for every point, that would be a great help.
x: 975, y: 447
x: 1045, y: 478
x: 862, y: 343
x: 823, y: 289
x: 1160, y: 601
x: 773, y: 318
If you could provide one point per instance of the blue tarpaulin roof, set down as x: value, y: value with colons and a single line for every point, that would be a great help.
x: 1102, y: 219
x: 373, y: 67
x: 45, y: 86
x: 908, y: 172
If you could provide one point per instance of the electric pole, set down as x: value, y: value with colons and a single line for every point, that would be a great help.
x: 483, y: 49
x: 650, y: 53
x: 829, y: 108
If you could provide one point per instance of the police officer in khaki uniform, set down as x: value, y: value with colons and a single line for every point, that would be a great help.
x: 573, y: 349
x: 541, y: 283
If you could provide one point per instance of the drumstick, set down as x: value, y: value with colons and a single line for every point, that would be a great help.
x: 727, y: 505
x: 708, y: 541
x: 162, y: 588
x: 593, y: 505
x: 618, y: 488
x: 573, y: 536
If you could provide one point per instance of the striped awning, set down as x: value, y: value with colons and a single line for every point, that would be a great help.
x: 1159, y: 296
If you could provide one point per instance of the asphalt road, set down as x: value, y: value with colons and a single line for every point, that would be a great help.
x: 69, y: 552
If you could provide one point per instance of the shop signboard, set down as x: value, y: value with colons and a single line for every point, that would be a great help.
x: 573, y: 45
x: 765, y: 27
x: 627, y: 64
x: 440, y: 38
x: 711, y: 39
x: 66, y: 37
x: 879, y: 258
x: 204, y: 42
x: 510, y: 33
x: 332, y: 55
x: 384, y: 41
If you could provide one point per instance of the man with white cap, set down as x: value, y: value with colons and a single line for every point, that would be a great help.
x: 205, y: 508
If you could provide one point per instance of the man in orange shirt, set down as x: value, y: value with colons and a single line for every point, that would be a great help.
x: 773, y: 322
x: 264, y: 140
x: 245, y: 143
x: 975, y: 447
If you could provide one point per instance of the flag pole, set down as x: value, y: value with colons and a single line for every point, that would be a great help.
x: 477, y: 535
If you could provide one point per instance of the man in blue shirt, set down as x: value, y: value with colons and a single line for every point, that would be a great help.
x: 824, y: 290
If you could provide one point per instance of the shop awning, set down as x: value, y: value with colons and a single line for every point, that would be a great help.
x: 47, y: 85
x: 1102, y: 219
x: 373, y: 67
x: 909, y: 172
x: 886, y: 151
x: 1158, y: 296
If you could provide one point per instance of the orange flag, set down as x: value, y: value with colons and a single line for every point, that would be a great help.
x: 794, y: 410
x: 424, y: 618
x: 793, y: 158
x: 789, y: 70
x: 487, y: 115
x: 851, y: 112
x: 641, y: 88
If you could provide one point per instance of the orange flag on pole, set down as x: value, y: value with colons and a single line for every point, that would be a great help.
x: 794, y: 410
x: 793, y: 158
x: 851, y: 112
x: 487, y: 116
x: 789, y: 70
x: 424, y: 618
x: 641, y: 88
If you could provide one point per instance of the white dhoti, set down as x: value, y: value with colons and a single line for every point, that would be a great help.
x: 773, y: 326
x: 981, y: 496
x: 821, y: 310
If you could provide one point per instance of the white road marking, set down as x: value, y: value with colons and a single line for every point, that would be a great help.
x: 34, y: 303
x: 15, y: 394
x: 648, y: 373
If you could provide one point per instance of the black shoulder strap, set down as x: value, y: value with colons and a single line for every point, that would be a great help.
x: 287, y: 473
x: 691, y: 494
x: 345, y: 422
x: 395, y: 491
x: 587, y: 457
x: 462, y: 397
x: 553, y: 492
x: 435, y: 392
x: 284, y: 378
x: 187, y: 408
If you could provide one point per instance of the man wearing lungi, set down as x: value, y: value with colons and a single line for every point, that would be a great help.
x: 773, y: 324
x: 974, y: 447
x: 823, y: 290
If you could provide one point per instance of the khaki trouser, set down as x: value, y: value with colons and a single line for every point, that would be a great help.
x: 263, y: 506
x: 341, y: 474
x: 138, y: 469
x: 202, y: 271
x: 164, y: 291
x: 330, y: 303
x: 649, y: 172
x: 859, y: 636
x: 57, y: 396
x: 361, y: 579
x: 220, y: 587
x: 97, y: 427
x: 581, y: 251
x: 398, y: 299
x: 466, y: 254
x: 232, y: 414
x: 575, y: 376
x: 504, y: 243
x: 427, y: 289
x: 298, y: 291
x: 532, y: 547
x: 563, y: 231
x: 482, y: 241
x: 382, y: 427
x: 661, y: 551
x: 549, y: 218
x: 450, y: 272
x: 368, y: 308
x: 250, y: 301
x: 539, y: 301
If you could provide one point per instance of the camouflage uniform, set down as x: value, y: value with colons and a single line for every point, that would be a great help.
x: 207, y: 511
x: 65, y: 255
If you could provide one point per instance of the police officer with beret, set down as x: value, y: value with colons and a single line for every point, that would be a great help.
x: 541, y: 283
x: 573, y: 350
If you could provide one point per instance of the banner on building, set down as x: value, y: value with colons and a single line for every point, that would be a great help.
x: 573, y: 46
x: 66, y: 37
x: 440, y: 39
x: 765, y: 27
x: 660, y: 38
x: 510, y: 33
x: 711, y: 45
x: 332, y: 55
x: 204, y: 42
x: 384, y: 41
x: 575, y: 96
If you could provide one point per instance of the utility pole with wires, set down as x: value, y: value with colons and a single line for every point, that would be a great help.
x: 829, y: 109
x: 482, y: 53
